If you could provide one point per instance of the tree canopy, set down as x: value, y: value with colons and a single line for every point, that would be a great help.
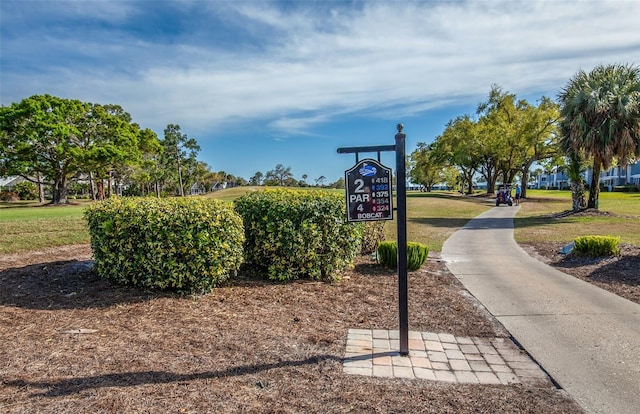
x: 504, y: 138
x: 280, y: 176
x: 51, y: 140
x: 180, y: 152
x: 601, y: 117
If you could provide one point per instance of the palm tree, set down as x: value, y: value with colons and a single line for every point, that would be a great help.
x: 601, y: 116
x: 575, y: 169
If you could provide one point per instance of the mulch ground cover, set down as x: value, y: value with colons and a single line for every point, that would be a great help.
x: 617, y: 274
x: 73, y: 343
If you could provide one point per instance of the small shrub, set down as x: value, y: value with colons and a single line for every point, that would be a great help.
x: 291, y: 234
x: 388, y: 254
x: 372, y: 236
x: 8, y: 196
x: 416, y: 254
x: 629, y: 188
x: 185, y: 244
x: 26, y: 190
x: 597, y: 246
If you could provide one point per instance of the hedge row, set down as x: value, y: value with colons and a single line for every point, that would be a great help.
x: 182, y: 244
x: 192, y: 245
x: 295, y: 233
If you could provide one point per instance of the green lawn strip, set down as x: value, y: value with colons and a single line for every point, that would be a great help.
x: 538, y: 219
x: 433, y: 217
x: 230, y: 194
x: 31, y: 228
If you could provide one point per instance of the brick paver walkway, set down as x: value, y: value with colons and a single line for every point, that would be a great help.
x: 439, y: 357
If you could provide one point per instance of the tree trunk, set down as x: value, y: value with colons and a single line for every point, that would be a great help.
x: 491, y: 183
x: 469, y: 180
x: 100, y: 185
x: 510, y: 177
x: 577, y: 195
x: 40, y: 189
x: 594, y: 190
x: 525, y: 178
x: 110, y: 184
x: 92, y: 184
x: 180, y: 174
x: 60, y: 191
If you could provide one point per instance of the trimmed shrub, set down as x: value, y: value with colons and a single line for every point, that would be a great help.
x: 297, y: 233
x: 26, y: 190
x: 185, y: 244
x: 597, y: 246
x: 629, y: 188
x: 388, y: 254
x: 416, y: 254
x: 373, y: 234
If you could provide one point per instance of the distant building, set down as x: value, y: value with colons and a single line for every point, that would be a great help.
x: 219, y: 186
x: 7, y: 183
x: 197, y: 189
x: 614, y: 176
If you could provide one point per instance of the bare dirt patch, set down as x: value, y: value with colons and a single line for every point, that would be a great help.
x: 72, y: 342
x: 587, y: 212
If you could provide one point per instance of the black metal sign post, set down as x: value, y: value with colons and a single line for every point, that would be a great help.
x: 403, y: 284
x: 356, y: 190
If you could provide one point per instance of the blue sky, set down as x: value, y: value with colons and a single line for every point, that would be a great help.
x: 260, y: 83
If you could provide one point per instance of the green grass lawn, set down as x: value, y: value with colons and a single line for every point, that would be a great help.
x: 534, y: 222
x: 29, y: 226
x: 231, y: 194
x: 432, y: 218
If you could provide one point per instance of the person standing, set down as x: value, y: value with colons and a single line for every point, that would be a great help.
x: 518, y: 194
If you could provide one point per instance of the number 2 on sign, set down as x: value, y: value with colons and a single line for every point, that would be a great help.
x: 360, y: 185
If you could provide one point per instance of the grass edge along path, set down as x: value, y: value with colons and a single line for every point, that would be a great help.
x: 545, y: 217
x: 432, y: 218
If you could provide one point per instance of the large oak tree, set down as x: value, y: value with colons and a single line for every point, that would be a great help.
x: 55, y: 141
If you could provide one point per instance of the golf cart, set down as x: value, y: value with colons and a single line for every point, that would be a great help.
x: 504, y: 195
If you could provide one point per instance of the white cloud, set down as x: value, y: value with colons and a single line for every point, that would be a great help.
x: 382, y: 57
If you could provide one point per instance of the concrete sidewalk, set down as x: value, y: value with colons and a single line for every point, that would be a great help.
x: 586, y: 338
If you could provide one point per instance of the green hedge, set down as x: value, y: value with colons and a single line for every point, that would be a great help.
x: 629, y: 188
x: 298, y: 233
x: 416, y: 254
x: 183, y: 244
x: 597, y: 246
